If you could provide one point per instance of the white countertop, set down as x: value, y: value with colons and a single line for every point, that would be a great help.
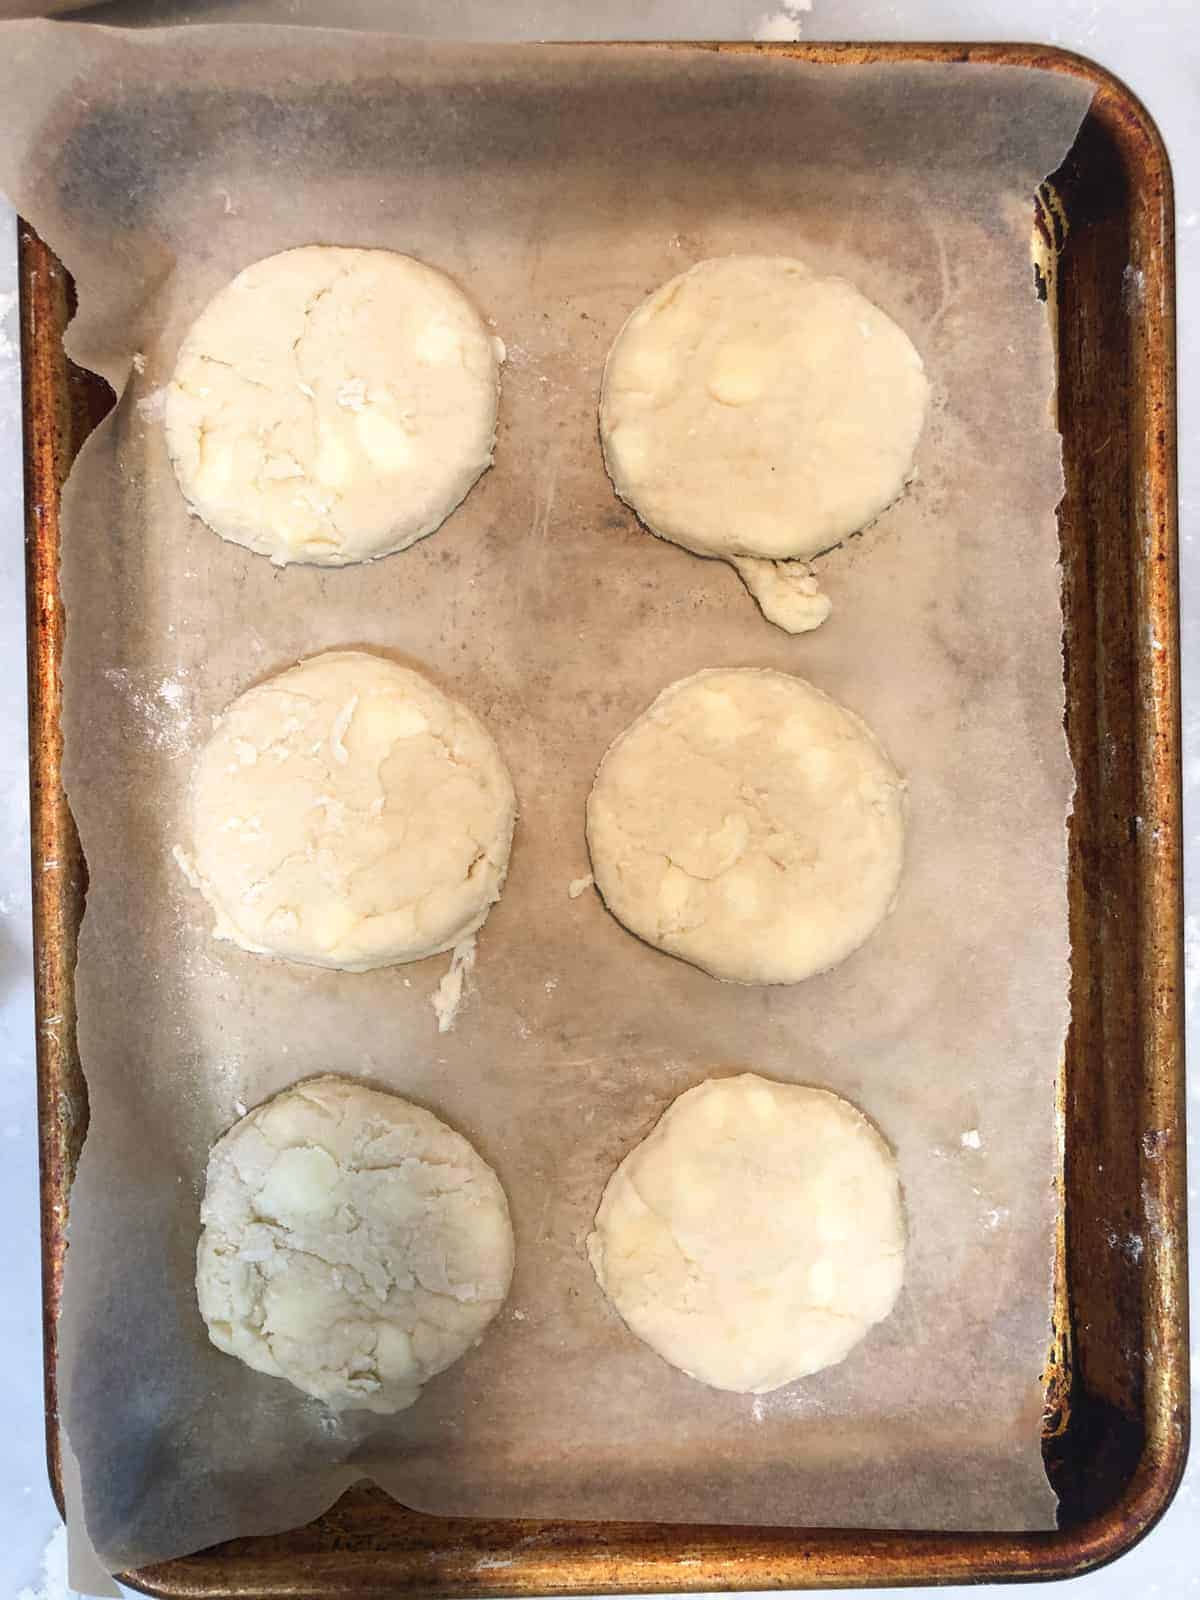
x: 1155, y: 46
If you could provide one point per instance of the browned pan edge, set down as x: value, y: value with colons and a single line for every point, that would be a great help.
x: 1115, y: 1438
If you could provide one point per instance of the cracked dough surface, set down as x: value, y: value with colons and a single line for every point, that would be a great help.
x: 349, y: 814
x: 755, y: 1236
x: 332, y: 405
x: 749, y: 824
x: 750, y: 408
x: 352, y: 1244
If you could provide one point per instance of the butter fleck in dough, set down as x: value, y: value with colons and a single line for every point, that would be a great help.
x: 749, y: 824
x: 349, y: 814
x: 352, y: 1244
x: 751, y: 409
x: 755, y: 1236
x: 333, y: 405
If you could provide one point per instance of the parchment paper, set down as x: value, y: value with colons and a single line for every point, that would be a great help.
x: 559, y: 186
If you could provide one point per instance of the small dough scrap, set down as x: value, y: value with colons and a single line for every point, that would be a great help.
x: 787, y: 592
x: 352, y: 1244
x: 333, y: 405
x: 751, y: 408
x: 349, y: 814
x: 755, y: 1236
x: 448, y: 996
x: 749, y: 824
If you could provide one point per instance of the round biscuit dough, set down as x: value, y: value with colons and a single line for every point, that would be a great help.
x: 349, y: 814
x: 750, y: 408
x: 755, y: 1236
x: 749, y: 824
x: 332, y: 405
x: 352, y: 1244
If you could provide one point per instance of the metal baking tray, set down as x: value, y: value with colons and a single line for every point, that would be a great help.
x: 1116, y: 1376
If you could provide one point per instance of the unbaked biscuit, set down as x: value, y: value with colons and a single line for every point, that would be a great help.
x: 753, y: 411
x: 333, y: 405
x: 349, y: 814
x: 749, y: 824
x: 755, y: 1235
x: 352, y: 1244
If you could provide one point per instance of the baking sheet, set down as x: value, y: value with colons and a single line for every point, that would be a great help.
x: 559, y: 186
